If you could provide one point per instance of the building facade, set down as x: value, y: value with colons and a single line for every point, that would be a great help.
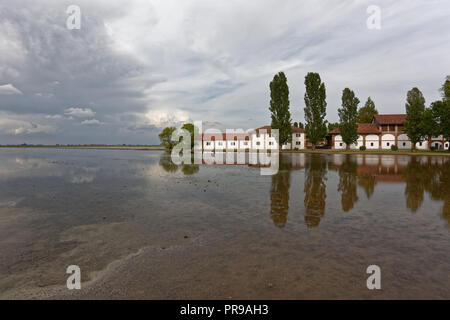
x: 385, y: 131
x: 259, y: 139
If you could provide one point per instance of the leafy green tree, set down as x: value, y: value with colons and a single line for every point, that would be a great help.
x: 279, y: 107
x: 316, y: 108
x: 366, y: 113
x: 348, y: 116
x: 415, y: 107
x: 166, y: 137
x: 441, y: 114
x: 332, y: 126
x: 296, y: 124
x: 428, y: 125
x: 441, y: 111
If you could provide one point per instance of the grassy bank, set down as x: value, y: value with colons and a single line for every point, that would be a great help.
x: 401, y: 152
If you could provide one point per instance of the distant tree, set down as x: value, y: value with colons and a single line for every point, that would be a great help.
x: 166, y: 137
x: 366, y: 113
x: 301, y: 125
x: 296, y: 124
x: 348, y: 117
x: 279, y: 107
x: 428, y: 125
x: 415, y: 107
x: 332, y: 126
x: 441, y: 114
x: 316, y: 108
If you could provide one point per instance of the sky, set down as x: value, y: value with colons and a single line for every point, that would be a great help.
x: 134, y: 67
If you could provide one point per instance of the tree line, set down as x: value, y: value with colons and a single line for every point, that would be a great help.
x: 422, y: 122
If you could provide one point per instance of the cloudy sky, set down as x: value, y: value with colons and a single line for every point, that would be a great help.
x: 136, y: 66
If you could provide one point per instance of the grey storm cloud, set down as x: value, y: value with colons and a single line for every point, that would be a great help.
x: 135, y: 66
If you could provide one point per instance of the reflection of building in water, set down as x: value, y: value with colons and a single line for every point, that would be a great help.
x: 420, y: 174
x: 279, y: 192
x: 315, y: 190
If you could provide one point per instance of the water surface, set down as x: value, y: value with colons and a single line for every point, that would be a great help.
x: 140, y: 226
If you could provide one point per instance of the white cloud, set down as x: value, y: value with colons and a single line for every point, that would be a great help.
x: 80, y: 112
x: 162, y: 118
x: 32, y: 128
x: 91, y: 122
x: 10, y: 89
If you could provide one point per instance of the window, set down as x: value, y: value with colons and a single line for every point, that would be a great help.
x: 388, y: 144
x: 245, y: 143
x: 297, y: 135
x: 371, y: 144
x: 404, y: 144
x: 258, y: 143
x: 233, y: 143
x: 257, y: 135
x: 270, y: 143
x: 270, y: 135
x: 208, y: 143
x: 298, y: 143
x: 420, y: 143
x: 219, y: 143
x: 340, y: 144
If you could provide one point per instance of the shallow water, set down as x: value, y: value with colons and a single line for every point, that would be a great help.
x: 140, y: 226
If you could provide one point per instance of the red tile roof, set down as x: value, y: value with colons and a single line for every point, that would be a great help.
x: 269, y: 129
x: 225, y: 136
x: 390, y: 118
x: 363, y: 128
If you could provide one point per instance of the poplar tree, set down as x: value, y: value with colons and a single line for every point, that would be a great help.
x: 315, y: 108
x: 348, y: 117
x: 279, y: 107
x: 415, y: 108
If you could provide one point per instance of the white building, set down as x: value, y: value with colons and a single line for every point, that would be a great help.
x: 259, y: 139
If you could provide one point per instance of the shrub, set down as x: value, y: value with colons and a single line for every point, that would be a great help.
x: 362, y: 148
x: 432, y: 148
x: 394, y: 147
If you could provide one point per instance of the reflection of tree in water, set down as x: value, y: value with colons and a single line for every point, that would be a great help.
x: 416, y: 176
x: 166, y: 163
x: 426, y: 176
x: 440, y: 186
x: 189, y: 169
x: 348, y: 183
x: 279, y: 192
x: 315, y: 190
x: 367, y: 182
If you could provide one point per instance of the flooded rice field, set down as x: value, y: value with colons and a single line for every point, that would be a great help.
x: 141, y: 227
